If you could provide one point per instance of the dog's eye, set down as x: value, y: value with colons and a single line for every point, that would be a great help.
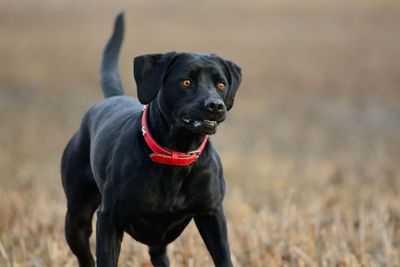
x: 186, y: 83
x: 221, y: 86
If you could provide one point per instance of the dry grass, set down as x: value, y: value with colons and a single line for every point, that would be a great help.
x: 311, y: 150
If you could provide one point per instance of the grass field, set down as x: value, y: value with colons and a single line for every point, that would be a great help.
x: 311, y: 149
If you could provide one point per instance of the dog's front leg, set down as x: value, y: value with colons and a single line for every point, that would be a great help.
x: 213, y: 230
x: 108, y: 241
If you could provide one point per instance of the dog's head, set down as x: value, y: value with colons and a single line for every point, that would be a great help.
x: 193, y: 90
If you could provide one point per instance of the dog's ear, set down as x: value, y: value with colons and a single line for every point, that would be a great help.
x: 235, y: 78
x: 149, y: 72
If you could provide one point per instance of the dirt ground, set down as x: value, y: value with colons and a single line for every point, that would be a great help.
x: 311, y: 149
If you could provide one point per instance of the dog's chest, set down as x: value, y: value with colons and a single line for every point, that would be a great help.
x: 161, y: 214
x: 185, y: 197
x: 171, y: 193
x: 167, y: 198
x: 157, y: 207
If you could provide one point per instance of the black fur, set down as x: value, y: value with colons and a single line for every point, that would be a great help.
x: 106, y: 164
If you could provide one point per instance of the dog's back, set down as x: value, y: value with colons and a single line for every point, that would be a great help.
x: 100, y: 121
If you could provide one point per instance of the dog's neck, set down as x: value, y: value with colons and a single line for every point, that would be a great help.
x: 167, y: 135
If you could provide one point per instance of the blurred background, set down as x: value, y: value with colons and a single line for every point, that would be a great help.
x: 311, y: 149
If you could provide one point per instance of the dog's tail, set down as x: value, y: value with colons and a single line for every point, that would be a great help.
x: 110, y: 81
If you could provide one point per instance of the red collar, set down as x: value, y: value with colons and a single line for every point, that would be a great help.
x: 164, y: 155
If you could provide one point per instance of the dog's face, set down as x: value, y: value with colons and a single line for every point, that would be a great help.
x: 193, y: 90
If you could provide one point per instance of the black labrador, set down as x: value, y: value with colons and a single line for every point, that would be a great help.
x: 152, y: 195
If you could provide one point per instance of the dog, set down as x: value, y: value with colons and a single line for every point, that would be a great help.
x: 146, y: 164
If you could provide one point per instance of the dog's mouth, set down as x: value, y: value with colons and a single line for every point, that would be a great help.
x: 201, y: 125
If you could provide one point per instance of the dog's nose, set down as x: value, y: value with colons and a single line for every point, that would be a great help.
x: 215, y: 105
